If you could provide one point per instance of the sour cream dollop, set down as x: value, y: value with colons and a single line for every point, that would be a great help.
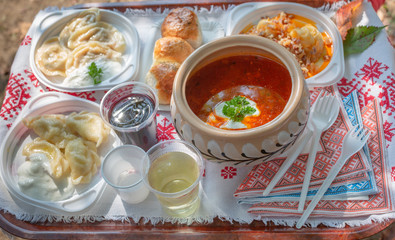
x: 35, y: 180
x: 230, y: 124
x: 79, y: 77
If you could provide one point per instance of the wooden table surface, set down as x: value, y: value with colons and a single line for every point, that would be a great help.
x: 216, y: 230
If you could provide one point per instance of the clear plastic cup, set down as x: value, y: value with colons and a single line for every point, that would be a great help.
x: 121, y: 169
x: 172, y: 171
x: 130, y: 110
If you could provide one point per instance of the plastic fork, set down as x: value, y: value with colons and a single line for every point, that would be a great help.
x: 354, y: 140
x: 294, y: 153
x: 323, y: 115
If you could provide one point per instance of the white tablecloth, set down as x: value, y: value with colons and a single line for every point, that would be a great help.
x: 371, y: 72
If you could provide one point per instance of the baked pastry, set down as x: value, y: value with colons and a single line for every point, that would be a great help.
x: 181, y: 34
x: 169, y: 53
x: 171, y: 49
x: 161, y: 77
x: 183, y: 23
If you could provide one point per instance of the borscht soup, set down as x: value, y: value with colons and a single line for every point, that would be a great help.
x: 239, y: 91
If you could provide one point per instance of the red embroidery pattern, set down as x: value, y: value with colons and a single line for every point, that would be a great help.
x: 32, y: 78
x: 346, y: 86
x: 17, y: 94
x: 385, y: 92
x: 393, y: 174
x: 388, y: 131
x: 228, y: 172
x: 165, y: 130
x: 371, y: 70
x: 387, y: 95
x: 26, y: 41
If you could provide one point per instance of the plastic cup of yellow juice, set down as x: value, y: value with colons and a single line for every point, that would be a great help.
x: 172, y: 171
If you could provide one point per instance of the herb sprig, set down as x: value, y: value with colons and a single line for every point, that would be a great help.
x: 237, y: 108
x: 95, y: 73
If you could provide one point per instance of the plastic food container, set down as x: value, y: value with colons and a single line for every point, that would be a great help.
x: 52, y: 24
x: 251, y: 13
x: 85, y: 195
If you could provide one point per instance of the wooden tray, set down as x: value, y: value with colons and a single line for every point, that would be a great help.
x: 216, y: 230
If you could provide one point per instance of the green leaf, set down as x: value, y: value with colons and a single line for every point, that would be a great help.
x: 95, y: 73
x: 358, y: 39
x: 228, y: 110
x: 248, y: 110
x: 237, y: 108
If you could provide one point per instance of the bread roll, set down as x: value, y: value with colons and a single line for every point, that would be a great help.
x: 181, y: 34
x: 161, y: 77
x: 171, y: 49
x: 169, y: 53
x: 183, y: 23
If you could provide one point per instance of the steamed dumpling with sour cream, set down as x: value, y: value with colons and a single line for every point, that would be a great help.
x: 51, y: 127
x: 90, y: 52
x: 85, y: 18
x: 101, y: 32
x: 59, y: 166
x: 106, y: 59
x: 88, y: 125
x: 84, y: 160
x: 84, y: 40
x: 51, y: 58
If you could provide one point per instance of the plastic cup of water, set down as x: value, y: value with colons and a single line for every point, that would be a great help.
x: 121, y: 169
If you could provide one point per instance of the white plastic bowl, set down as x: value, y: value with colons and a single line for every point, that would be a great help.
x: 52, y: 24
x: 85, y: 195
x: 251, y: 13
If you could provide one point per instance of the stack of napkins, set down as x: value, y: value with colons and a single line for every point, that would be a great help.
x: 358, y: 188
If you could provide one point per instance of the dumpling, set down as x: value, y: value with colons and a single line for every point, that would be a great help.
x: 88, y: 125
x: 100, y: 32
x: 59, y: 166
x: 51, y: 58
x: 268, y: 28
x: 84, y: 160
x: 311, y: 40
x: 51, y: 127
x: 89, y: 52
x: 86, y: 17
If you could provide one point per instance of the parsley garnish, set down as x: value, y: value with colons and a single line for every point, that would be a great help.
x: 95, y: 73
x: 237, y: 108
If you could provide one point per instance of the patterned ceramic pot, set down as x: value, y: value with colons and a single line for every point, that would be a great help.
x: 241, y: 147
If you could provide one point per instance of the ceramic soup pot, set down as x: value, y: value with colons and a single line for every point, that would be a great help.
x: 249, y: 146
